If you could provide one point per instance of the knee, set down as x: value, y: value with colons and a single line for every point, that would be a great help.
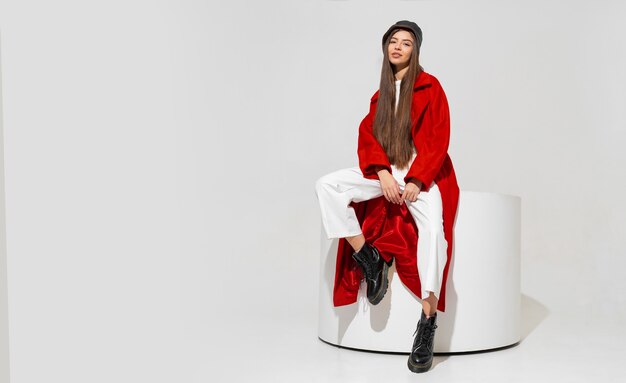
x: 431, y: 228
x: 336, y: 183
x: 322, y: 184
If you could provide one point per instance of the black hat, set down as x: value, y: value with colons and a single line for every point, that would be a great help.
x: 407, y: 25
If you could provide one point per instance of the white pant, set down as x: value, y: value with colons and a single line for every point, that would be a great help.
x: 336, y: 190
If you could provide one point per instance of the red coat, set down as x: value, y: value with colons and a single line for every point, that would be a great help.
x: 391, y: 227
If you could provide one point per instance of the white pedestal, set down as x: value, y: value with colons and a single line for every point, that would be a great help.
x: 483, y: 300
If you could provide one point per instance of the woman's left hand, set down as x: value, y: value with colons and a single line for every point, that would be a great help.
x: 411, y: 191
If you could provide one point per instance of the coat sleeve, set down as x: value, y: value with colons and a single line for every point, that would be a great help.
x: 431, y: 138
x: 370, y: 151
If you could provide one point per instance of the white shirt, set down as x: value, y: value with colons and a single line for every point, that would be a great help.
x: 398, y: 82
x: 397, y: 101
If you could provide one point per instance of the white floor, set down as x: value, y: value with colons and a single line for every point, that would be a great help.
x: 582, y: 350
x: 565, y: 345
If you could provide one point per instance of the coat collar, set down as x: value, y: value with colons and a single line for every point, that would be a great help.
x: 421, y: 80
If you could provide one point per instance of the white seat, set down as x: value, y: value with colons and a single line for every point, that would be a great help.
x: 483, y: 300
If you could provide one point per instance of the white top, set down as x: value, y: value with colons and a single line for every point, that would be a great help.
x: 398, y: 82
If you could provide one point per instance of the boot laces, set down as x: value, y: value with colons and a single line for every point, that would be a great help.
x: 425, y: 333
x: 369, y: 266
x: 369, y: 270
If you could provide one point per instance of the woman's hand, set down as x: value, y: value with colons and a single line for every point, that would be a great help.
x: 411, y: 190
x: 391, y: 189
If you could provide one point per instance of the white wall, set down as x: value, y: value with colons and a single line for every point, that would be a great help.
x: 160, y: 158
x: 4, y: 297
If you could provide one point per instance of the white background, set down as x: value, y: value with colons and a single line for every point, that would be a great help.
x: 160, y: 161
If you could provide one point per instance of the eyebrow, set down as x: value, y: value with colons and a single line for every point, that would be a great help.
x: 395, y: 38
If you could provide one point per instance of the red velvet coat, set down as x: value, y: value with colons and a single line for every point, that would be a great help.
x: 391, y: 227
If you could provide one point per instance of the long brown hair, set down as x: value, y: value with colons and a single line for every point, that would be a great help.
x: 393, y: 128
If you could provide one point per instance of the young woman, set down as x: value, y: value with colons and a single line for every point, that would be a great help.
x: 402, y: 149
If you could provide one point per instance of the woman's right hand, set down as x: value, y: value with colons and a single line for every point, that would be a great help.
x: 391, y: 189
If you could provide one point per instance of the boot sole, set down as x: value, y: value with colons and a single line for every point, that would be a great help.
x: 383, y: 289
x: 419, y: 367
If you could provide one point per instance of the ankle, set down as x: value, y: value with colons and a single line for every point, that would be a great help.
x: 357, y: 242
x: 434, y: 314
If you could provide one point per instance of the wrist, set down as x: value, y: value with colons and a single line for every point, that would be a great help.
x: 382, y: 171
x: 417, y: 182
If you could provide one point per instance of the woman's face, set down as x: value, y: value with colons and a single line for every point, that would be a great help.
x: 400, y: 48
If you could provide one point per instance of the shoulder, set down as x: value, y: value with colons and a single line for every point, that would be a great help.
x: 425, y: 80
x: 431, y: 87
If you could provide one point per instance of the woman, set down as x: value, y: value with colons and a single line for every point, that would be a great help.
x: 402, y: 149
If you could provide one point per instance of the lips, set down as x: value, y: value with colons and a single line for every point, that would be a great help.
x: 396, y: 55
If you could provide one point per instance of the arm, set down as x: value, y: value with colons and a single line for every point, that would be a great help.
x: 431, y: 139
x: 372, y: 156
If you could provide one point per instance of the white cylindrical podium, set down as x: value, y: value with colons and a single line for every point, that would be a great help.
x: 483, y: 300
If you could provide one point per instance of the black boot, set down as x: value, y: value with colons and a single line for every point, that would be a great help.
x: 421, y: 357
x: 375, y: 270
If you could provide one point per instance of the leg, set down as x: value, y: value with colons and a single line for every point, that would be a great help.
x: 427, y: 212
x: 356, y: 242
x: 429, y: 305
x: 335, y: 191
x: 432, y: 246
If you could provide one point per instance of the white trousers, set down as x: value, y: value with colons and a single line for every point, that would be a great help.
x: 336, y: 190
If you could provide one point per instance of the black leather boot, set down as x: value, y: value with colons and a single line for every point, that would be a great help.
x: 421, y: 357
x: 375, y: 270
